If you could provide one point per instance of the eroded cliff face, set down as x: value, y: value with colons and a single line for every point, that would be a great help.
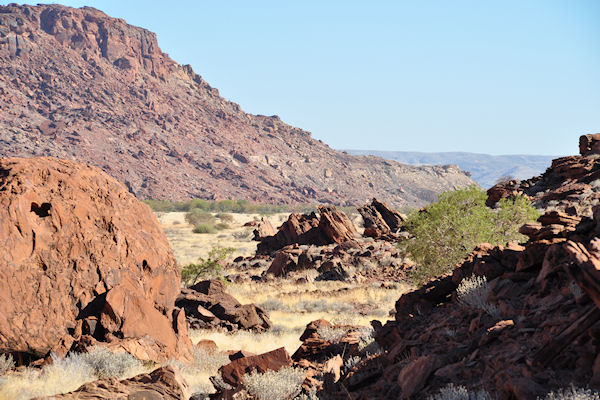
x: 77, y: 84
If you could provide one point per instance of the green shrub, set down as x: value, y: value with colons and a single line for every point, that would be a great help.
x: 204, y: 228
x: 448, y: 230
x: 225, y: 217
x: 209, y: 267
x: 197, y: 216
x: 222, y: 225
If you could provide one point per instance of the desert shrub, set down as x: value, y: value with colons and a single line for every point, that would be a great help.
x: 206, y: 267
x: 452, y: 392
x: 225, y: 217
x: 472, y: 292
x: 6, y: 363
x: 204, y: 228
x: 196, y: 217
x: 197, y: 373
x: 572, y: 394
x: 322, y: 305
x: 284, y: 384
x: 222, y: 225
x: 243, y: 235
x: 69, y: 373
x: 332, y: 334
x: 448, y: 230
x: 104, y: 363
x: 273, y: 304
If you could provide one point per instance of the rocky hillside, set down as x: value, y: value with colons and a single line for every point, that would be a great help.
x: 77, y: 84
x: 485, y: 169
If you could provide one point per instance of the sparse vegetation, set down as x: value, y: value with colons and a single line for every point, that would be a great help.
x: 222, y: 225
x: 449, y: 229
x: 204, y: 228
x: 225, y: 217
x: 6, y: 363
x: 452, y: 392
x: 67, y: 374
x: 473, y: 293
x: 205, y: 268
x: 573, y: 394
x: 284, y: 384
x: 204, y: 365
x: 196, y: 216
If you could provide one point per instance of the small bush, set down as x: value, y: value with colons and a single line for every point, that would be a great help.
x: 572, y: 394
x: 225, y: 217
x: 473, y: 293
x: 206, y: 267
x: 204, y: 365
x: 452, y: 392
x: 448, y: 230
x: 196, y: 217
x: 104, y: 363
x: 284, y: 384
x: 351, y: 362
x: 243, y: 235
x: 332, y: 334
x: 204, y: 228
x: 6, y: 363
x: 222, y: 225
x: 272, y: 304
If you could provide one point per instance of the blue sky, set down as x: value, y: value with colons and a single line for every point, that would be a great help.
x: 498, y: 77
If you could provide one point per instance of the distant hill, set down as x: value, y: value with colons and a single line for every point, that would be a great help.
x: 485, y: 169
x: 77, y: 84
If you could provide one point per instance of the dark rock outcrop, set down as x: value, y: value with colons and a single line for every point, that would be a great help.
x: 571, y: 184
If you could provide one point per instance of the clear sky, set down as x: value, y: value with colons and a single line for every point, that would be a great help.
x: 499, y: 77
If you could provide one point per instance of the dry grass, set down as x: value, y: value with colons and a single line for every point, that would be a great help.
x: 189, y: 246
x: 299, y: 305
x: 68, y: 374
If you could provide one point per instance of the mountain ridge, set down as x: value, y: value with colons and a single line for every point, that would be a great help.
x: 485, y: 169
x: 78, y: 84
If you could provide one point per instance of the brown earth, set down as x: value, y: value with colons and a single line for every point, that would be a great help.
x: 77, y: 84
x: 83, y: 261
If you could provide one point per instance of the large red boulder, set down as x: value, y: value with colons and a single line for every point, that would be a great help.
x: 80, y: 251
x: 328, y: 227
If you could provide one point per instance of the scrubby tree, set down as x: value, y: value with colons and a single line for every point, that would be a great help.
x: 209, y: 267
x: 446, y: 231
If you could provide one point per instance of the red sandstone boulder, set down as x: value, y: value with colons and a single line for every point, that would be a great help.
x: 380, y: 220
x: 207, y: 305
x: 78, y: 247
x: 161, y: 384
x: 263, y: 229
x: 330, y: 226
x: 234, y: 372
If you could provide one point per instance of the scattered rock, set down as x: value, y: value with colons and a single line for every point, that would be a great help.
x: 208, y: 305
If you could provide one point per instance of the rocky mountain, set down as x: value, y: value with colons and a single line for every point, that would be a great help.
x: 485, y: 169
x: 77, y: 84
